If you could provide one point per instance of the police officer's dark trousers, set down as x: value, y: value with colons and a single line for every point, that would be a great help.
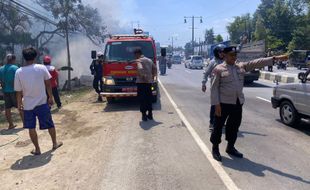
x: 233, y: 114
x: 98, y: 84
x: 145, y: 97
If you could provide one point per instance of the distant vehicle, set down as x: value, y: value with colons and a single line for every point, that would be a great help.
x: 300, y: 58
x: 293, y: 100
x: 194, y: 62
x: 176, y: 59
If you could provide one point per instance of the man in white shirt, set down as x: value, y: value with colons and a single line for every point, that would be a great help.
x: 31, y: 83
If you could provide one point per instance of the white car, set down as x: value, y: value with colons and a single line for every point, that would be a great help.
x: 293, y: 100
x: 194, y: 62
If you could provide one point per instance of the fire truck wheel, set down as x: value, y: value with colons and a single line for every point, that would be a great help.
x: 110, y: 99
x: 154, y: 98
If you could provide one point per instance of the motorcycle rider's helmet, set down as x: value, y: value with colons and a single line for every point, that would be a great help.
x: 218, y: 49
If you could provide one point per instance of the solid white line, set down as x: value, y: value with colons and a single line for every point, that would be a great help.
x: 188, y: 71
x: 263, y: 99
x: 229, y: 183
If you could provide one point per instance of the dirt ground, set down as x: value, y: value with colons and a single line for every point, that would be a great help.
x: 88, y: 133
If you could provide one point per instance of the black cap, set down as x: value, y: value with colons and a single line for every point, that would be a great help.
x: 229, y: 49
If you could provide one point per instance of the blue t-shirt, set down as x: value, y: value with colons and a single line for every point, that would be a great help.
x: 7, y: 75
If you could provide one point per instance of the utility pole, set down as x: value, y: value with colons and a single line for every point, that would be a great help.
x: 68, y: 46
x: 172, y: 38
x: 193, y: 26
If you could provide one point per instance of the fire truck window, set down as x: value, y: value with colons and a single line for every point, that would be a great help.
x: 124, y: 51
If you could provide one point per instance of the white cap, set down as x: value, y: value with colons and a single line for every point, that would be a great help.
x: 99, y: 53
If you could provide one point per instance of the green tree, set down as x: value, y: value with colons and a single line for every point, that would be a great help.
x: 241, y: 29
x: 218, y: 38
x: 74, y: 16
x: 209, y: 36
x: 14, y: 25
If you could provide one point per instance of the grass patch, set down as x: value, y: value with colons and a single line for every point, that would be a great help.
x: 66, y: 97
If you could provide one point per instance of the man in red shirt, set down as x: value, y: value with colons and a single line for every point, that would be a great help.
x: 52, y: 70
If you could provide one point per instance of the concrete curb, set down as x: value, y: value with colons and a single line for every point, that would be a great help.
x: 282, y: 78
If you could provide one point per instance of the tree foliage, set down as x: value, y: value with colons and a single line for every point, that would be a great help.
x: 209, y: 36
x: 283, y: 24
x: 77, y: 17
x: 14, y: 26
x: 218, y: 38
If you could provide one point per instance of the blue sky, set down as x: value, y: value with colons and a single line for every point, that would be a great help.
x: 165, y: 18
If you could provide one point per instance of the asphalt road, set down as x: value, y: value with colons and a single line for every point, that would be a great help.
x: 275, y: 156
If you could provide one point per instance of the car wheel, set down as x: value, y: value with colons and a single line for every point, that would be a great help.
x: 288, y: 114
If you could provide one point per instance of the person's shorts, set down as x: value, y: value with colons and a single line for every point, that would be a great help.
x: 10, y: 100
x: 44, y: 115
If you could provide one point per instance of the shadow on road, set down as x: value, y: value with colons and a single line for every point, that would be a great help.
x: 303, y: 126
x: 147, y: 125
x: 30, y: 161
x: 255, y: 85
x: 10, y: 131
x: 246, y: 165
x: 129, y: 104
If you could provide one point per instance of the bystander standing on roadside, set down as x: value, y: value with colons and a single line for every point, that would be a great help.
x: 31, y: 83
x: 7, y: 74
x: 147, y: 71
x: 228, y: 98
x: 54, y: 80
x: 218, y: 59
x: 162, y: 61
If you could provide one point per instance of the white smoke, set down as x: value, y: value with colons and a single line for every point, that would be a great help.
x: 81, y: 46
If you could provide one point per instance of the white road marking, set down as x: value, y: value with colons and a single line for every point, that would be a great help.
x: 263, y: 99
x: 187, y: 71
x: 229, y: 183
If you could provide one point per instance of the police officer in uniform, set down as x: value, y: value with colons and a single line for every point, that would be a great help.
x: 96, y: 69
x: 218, y: 59
x: 228, y: 98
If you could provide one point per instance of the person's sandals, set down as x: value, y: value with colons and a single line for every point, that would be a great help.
x: 33, y: 152
x: 12, y: 126
x: 59, y: 144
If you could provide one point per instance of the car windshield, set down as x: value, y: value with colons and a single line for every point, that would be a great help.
x: 123, y: 51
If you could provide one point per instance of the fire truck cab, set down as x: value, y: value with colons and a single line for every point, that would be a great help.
x: 120, y: 68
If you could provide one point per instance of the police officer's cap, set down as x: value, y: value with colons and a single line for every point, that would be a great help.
x: 230, y: 49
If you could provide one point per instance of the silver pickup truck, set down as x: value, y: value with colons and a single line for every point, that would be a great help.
x: 293, y: 100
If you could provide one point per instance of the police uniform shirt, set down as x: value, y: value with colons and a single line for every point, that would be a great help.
x: 227, y: 85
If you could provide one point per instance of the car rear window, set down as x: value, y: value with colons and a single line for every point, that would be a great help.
x: 197, y: 58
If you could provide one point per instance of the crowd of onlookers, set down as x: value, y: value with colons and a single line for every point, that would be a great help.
x: 32, y: 89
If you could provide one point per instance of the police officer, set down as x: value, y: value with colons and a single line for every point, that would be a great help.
x: 218, y: 59
x: 228, y: 98
x: 96, y: 69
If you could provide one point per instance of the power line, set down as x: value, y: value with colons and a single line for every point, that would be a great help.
x: 28, y: 11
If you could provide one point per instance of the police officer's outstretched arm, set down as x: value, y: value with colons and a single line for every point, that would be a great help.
x: 259, y: 63
x: 215, y: 92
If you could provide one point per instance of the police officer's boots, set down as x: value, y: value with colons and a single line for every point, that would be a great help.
x: 150, y: 115
x: 144, y: 117
x: 216, y: 153
x: 231, y: 150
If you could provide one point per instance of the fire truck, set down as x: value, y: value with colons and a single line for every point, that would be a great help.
x: 119, y: 65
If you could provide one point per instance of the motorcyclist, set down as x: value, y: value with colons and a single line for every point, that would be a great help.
x: 96, y: 69
x: 218, y: 59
